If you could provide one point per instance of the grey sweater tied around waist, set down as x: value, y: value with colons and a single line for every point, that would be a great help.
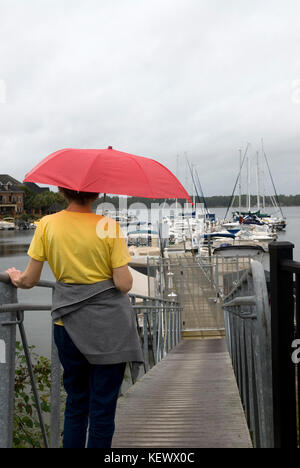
x: 100, y: 321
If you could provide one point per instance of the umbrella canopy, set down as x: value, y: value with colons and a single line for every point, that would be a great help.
x: 107, y: 171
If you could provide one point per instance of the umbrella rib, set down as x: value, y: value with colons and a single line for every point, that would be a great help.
x: 40, y: 164
x: 143, y: 172
x: 175, y: 178
x: 90, y: 168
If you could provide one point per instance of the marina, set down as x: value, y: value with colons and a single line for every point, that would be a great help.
x: 194, y: 346
x: 149, y: 227
x: 14, y: 245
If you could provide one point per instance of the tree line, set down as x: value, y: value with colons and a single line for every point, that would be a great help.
x: 40, y: 204
x: 224, y: 201
x: 217, y: 201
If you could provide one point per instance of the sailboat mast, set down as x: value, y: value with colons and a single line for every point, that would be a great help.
x: 237, y: 181
x: 240, y: 184
x: 263, y: 176
x: 273, y: 183
x: 249, y: 182
x: 177, y: 175
x: 258, y: 181
x: 194, y: 187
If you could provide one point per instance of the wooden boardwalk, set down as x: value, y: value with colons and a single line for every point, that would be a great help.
x: 203, y: 316
x: 190, y: 399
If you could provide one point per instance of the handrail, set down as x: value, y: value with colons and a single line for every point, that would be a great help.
x: 248, y: 333
x: 159, y: 323
x: 237, y: 286
x: 151, y: 298
x: 285, y: 305
x: 262, y: 347
x: 290, y: 266
x: 241, y: 301
x: 19, y: 306
x: 219, y: 270
x: 39, y: 307
x: 4, y: 278
x: 46, y: 284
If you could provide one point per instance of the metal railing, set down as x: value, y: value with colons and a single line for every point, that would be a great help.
x: 224, y: 273
x: 262, y: 324
x: 159, y: 323
x: 248, y: 332
x: 184, y: 278
x: 285, y: 303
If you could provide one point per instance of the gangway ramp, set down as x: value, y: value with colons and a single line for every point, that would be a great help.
x: 189, y: 399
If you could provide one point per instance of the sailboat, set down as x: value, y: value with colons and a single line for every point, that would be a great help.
x: 258, y: 217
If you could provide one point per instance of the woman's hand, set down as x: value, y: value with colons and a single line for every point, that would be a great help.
x: 14, y: 276
x: 29, y: 278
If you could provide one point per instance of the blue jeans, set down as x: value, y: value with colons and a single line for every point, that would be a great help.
x: 92, y: 393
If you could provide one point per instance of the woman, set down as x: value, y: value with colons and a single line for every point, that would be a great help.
x: 95, y: 329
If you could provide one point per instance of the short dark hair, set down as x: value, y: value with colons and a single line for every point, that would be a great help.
x: 82, y: 198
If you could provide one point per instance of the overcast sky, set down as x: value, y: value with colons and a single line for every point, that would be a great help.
x: 157, y: 78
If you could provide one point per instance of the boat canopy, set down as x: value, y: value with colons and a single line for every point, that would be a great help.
x: 218, y: 234
x: 236, y: 248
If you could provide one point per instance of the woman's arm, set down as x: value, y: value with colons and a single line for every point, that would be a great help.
x: 123, y: 279
x: 29, y: 278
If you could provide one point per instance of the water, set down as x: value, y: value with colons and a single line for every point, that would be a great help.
x: 13, y: 248
x: 292, y: 233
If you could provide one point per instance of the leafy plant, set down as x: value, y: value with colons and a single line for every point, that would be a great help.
x: 27, y: 432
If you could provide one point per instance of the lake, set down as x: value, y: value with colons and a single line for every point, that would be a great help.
x: 13, y: 248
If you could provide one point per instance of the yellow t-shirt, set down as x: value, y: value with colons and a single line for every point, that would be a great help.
x: 81, y: 248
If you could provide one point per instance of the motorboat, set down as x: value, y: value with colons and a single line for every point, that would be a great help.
x: 256, y: 233
x: 7, y: 224
x: 123, y: 217
x: 255, y: 252
x: 142, y: 237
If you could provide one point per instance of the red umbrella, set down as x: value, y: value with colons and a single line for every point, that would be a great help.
x: 107, y: 171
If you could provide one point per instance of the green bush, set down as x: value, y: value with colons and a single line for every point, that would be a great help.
x: 27, y: 432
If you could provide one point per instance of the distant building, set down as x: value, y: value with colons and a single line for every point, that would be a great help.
x: 6, y: 179
x: 11, y: 196
x: 35, y: 188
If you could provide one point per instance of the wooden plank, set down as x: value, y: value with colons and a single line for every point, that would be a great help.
x: 200, y: 310
x: 190, y: 399
x: 202, y: 334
